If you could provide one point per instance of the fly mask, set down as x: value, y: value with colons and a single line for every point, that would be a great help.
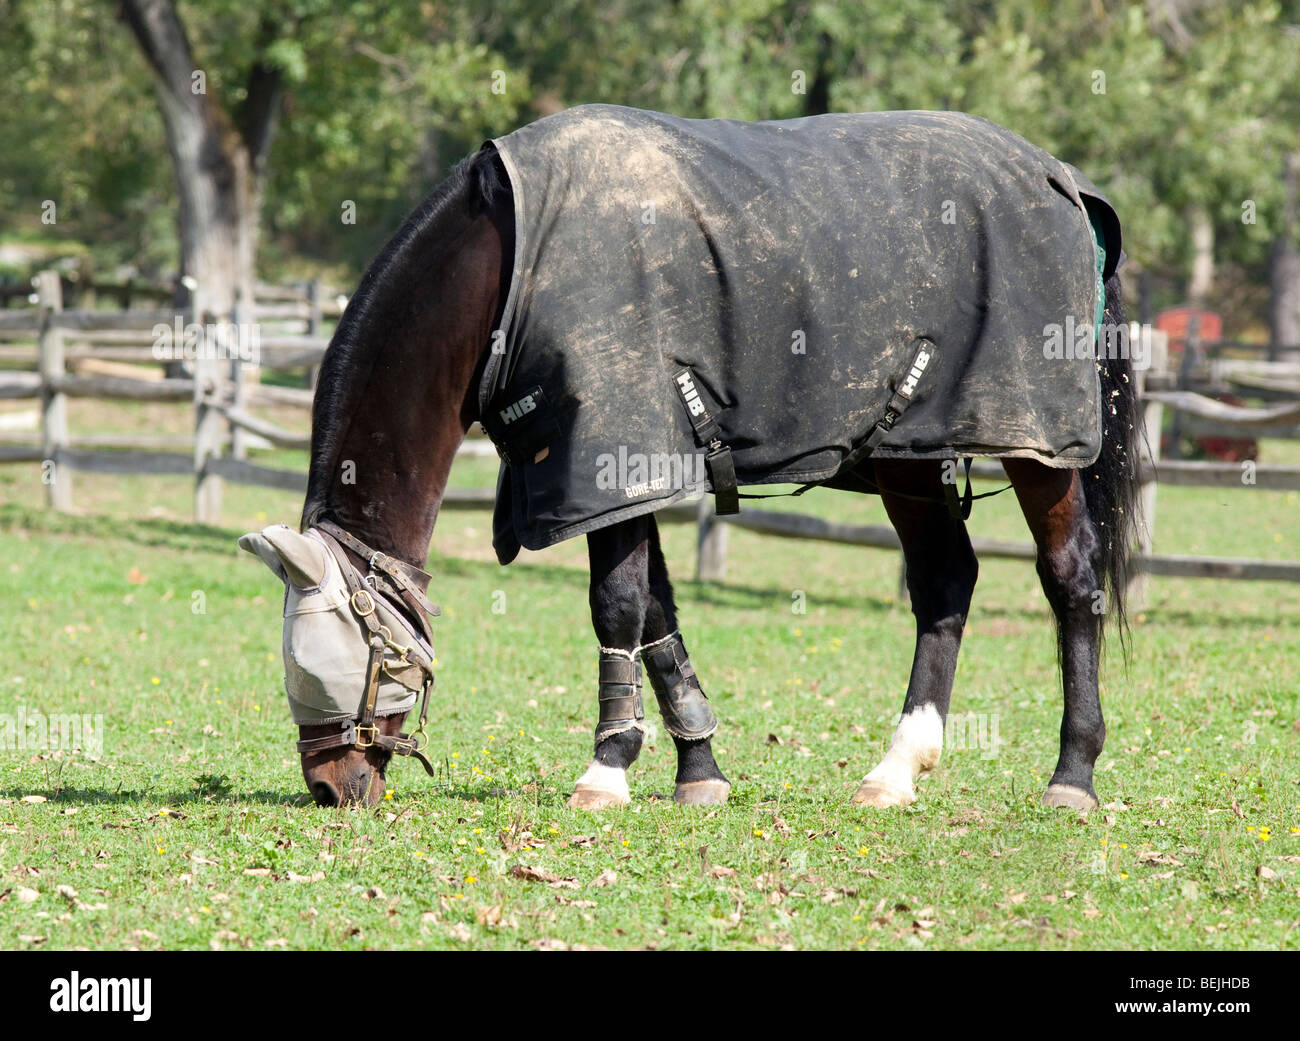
x: 350, y: 653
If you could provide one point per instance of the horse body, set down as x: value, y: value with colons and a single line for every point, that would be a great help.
x: 399, y: 388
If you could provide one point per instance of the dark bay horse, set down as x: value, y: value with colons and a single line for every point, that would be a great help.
x: 397, y: 393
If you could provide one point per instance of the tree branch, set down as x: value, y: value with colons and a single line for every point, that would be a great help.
x: 158, y: 30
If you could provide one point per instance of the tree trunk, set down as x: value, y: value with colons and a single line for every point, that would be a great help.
x: 1202, y: 278
x: 218, y: 164
x: 1284, y: 266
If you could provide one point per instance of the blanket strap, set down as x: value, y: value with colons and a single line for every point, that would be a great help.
x: 718, y: 460
x: 958, y: 506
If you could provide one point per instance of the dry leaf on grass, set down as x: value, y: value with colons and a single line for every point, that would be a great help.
x: 606, y: 878
x: 528, y: 873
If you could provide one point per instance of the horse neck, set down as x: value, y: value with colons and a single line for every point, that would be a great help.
x: 411, y: 410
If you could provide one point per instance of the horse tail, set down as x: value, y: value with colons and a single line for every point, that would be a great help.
x: 1111, y: 484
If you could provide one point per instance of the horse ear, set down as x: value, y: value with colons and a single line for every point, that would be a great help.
x: 294, y: 558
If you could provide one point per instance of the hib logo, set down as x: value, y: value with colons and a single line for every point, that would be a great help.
x: 518, y: 410
x: 913, y: 377
x: 689, y: 394
x: 102, y: 995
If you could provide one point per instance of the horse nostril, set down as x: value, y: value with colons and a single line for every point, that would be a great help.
x: 324, y: 793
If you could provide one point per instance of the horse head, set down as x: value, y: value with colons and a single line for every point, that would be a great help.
x: 354, y: 664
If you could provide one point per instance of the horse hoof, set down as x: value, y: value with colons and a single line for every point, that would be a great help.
x: 1067, y: 796
x: 880, y: 796
x: 584, y: 798
x: 712, y: 792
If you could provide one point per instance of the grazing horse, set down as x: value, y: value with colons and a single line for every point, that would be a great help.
x: 598, y: 281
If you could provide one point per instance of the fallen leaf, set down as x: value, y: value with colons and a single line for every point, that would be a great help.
x: 136, y: 577
x: 606, y: 878
x: 315, y: 876
x: 26, y: 896
x: 460, y: 931
x: 718, y: 871
x: 34, y: 798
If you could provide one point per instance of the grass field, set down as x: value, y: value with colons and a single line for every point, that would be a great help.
x: 190, y: 829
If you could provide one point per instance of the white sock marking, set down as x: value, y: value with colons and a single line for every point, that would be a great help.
x: 915, y: 750
x: 605, y: 779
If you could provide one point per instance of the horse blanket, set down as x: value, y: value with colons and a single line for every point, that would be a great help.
x: 777, y: 278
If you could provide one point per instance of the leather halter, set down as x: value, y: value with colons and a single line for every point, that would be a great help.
x: 403, y: 586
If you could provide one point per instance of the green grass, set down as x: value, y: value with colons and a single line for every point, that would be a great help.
x: 190, y: 830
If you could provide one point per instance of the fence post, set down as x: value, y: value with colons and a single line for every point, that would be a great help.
x: 207, y: 420
x: 1153, y: 414
x: 1191, y: 351
x: 54, y: 405
x: 238, y: 436
x: 711, y: 550
x: 315, y: 319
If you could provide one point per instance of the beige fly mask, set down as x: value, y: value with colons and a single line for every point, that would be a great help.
x: 325, y: 644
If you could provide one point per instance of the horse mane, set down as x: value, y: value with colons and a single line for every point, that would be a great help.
x: 476, y: 183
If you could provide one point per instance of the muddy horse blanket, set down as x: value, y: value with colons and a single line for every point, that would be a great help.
x: 759, y: 293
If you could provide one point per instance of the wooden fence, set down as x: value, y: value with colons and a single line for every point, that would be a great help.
x: 223, y: 400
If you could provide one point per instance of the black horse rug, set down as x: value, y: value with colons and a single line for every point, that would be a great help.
x: 760, y: 296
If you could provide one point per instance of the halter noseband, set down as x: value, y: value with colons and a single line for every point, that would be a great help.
x: 403, y: 586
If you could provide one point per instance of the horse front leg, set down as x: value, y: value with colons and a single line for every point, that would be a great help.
x: 619, y: 558
x: 941, y: 573
x: 683, y: 704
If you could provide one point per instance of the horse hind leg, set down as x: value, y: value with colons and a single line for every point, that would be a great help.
x: 1068, y: 543
x: 685, y: 709
x: 619, y: 593
x: 941, y: 574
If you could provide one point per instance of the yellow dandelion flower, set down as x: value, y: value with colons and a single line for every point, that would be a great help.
x: 388, y: 794
x: 470, y: 880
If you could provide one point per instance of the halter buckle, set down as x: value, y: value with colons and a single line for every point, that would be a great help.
x: 369, y: 601
x: 374, y: 733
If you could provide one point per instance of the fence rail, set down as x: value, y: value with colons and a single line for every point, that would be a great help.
x: 222, y: 397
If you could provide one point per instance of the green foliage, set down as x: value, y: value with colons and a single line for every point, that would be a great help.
x: 381, y: 98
